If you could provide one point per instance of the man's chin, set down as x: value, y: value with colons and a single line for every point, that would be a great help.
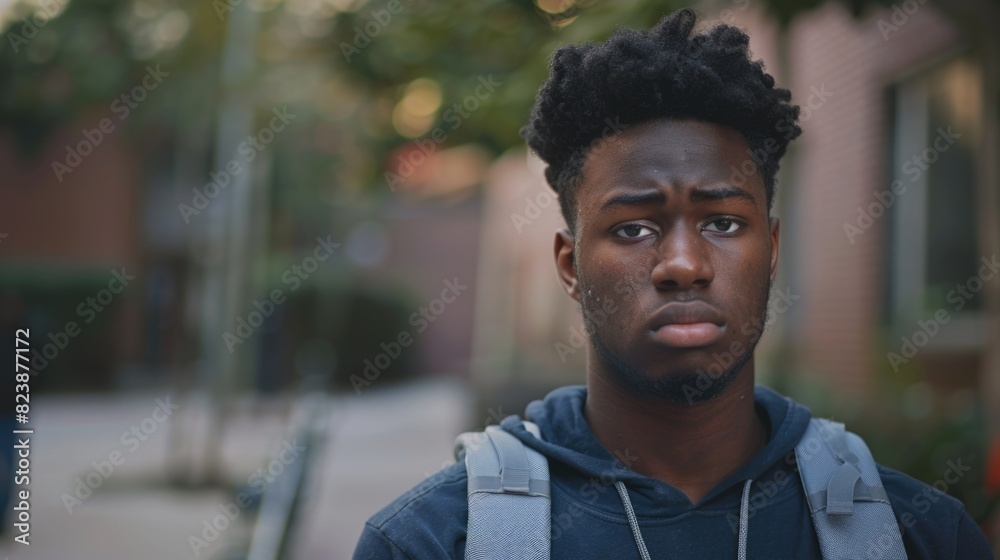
x: 687, y: 388
x: 680, y: 385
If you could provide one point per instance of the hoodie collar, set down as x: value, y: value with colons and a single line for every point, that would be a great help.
x: 568, y: 441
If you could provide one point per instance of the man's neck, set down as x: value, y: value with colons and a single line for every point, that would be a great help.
x: 692, y: 447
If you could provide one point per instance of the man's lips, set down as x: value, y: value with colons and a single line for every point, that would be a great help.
x: 687, y: 325
x: 691, y: 335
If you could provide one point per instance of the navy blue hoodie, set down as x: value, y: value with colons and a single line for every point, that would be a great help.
x: 588, y: 516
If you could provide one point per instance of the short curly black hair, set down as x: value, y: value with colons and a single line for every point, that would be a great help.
x: 666, y: 72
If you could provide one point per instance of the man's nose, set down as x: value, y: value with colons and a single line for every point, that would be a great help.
x: 683, y: 262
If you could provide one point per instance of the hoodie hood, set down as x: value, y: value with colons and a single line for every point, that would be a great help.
x: 581, y: 460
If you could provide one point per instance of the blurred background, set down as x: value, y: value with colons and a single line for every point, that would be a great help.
x: 274, y: 255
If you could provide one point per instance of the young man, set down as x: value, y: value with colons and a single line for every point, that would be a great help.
x: 671, y: 252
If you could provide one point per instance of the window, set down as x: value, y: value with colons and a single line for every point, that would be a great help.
x: 933, y: 242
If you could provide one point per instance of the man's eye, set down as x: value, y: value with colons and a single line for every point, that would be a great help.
x: 633, y: 231
x: 724, y: 225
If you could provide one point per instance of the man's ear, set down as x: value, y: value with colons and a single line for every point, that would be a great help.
x: 566, y: 263
x: 775, y: 227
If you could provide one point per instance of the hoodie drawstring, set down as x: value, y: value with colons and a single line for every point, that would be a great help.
x: 741, y: 553
x: 632, y: 521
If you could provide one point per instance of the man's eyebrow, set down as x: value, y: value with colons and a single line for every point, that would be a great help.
x: 698, y: 194
x: 640, y: 198
x: 723, y: 192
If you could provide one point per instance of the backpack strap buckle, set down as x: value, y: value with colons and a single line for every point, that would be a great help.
x: 845, y: 493
x: 840, y: 491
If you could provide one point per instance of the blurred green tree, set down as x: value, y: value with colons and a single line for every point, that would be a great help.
x: 346, y: 62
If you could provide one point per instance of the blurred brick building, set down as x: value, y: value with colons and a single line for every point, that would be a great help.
x: 63, y: 239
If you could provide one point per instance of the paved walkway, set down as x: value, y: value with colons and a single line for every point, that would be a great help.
x: 380, y: 444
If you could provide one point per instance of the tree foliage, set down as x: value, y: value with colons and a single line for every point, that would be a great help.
x: 344, y: 65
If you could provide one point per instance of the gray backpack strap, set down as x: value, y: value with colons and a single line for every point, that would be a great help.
x: 509, y: 512
x: 850, y: 509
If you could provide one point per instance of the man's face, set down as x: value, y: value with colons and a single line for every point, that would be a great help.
x: 671, y: 262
